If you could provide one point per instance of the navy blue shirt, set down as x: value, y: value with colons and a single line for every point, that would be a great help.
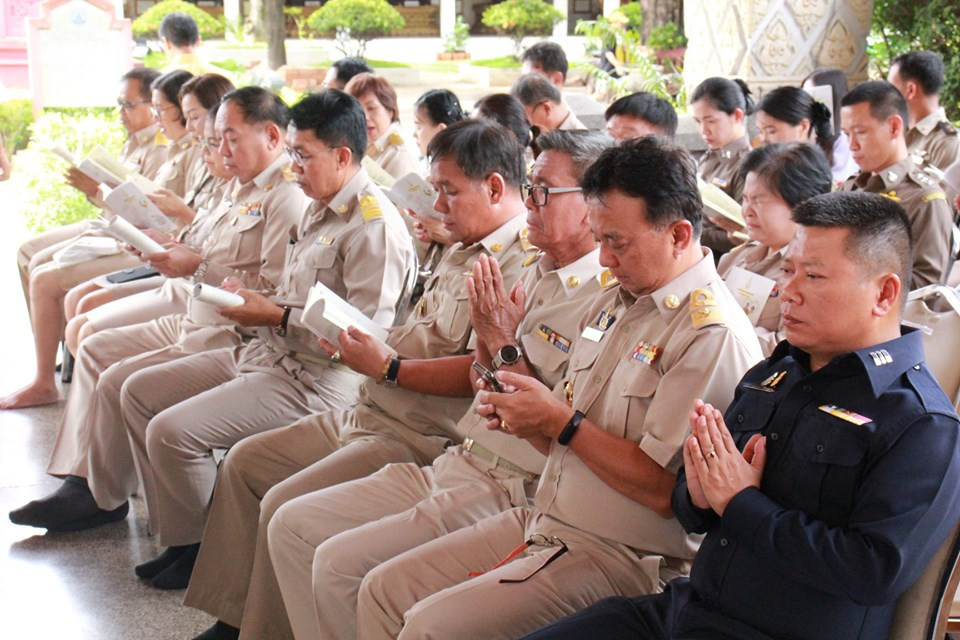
x: 859, y: 490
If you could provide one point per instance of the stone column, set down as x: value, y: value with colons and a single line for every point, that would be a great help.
x: 561, y: 29
x: 769, y: 43
x: 231, y: 11
x: 448, y: 17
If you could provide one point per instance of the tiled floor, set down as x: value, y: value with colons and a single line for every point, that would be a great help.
x: 58, y: 586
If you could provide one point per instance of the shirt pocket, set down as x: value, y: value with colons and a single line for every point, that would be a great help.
x: 246, y: 239
x: 636, y: 394
x: 747, y: 416
x: 549, y: 360
x: 829, y: 454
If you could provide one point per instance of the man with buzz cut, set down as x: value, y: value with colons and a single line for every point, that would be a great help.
x: 875, y: 117
x: 180, y: 38
x: 833, y: 478
x: 601, y: 523
x: 544, y: 105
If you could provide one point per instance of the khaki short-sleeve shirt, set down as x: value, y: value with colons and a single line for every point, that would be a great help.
x: 721, y: 167
x: 145, y: 151
x: 757, y: 258
x: 635, y: 372
x: 934, y: 141
x: 179, y: 165
x: 392, y: 152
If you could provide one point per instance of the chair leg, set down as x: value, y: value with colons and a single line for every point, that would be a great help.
x: 66, y: 371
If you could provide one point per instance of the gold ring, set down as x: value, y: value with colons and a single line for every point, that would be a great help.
x: 503, y: 426
x: 712, y: 454
x: 335, y: 357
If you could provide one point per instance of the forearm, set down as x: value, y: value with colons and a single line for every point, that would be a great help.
x: 437, y: 376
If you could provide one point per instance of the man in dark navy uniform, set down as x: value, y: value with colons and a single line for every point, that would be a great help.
x: 834, y: 476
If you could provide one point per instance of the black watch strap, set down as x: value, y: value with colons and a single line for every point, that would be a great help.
x: 281, y: 329
x: 392, y: 371
x: 568, y: 431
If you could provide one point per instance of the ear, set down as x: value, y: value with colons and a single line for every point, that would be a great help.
x: 344, y: 157
x: 805, y: 127
x: 681, y: 232
x: 738, y: 114
x: 888, y: 295
x: 275, y: 137
x: 496, y: 188
x: 896, y: 126
x: 912, y: 90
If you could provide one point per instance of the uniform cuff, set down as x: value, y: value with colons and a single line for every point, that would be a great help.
x: 663, y: 453
x: 746, y: 512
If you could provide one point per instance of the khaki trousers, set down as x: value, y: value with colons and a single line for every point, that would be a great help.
x: 378, y: 517
x: 233, y: 578
x: 92, y: 442
x: 162, y: 300
x: 40, y: 249
x: 177, y: 413
x: 427, y: 593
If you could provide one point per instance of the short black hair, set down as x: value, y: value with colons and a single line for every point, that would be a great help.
x: 923, y: 67
x: 654, y: 169
x: 793, y: 105
x: 549, y: 56
x: 796, y: 171
x: 335, y: 117
x: 145, y: 76
x: 884, y: 99
x: 169, y: 85
x: 506, y: 110
x: 480, y: 148
x: 349, y: 67
x: 441, y: 105
x: 879, y: 233
x: 533, y: 88
x: 725, y: 95
x: 259, y: 105
x: 180, y: 29
x: 648, y: 107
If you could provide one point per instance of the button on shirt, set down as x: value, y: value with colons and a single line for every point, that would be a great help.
x: 556, y: 300
x: 638, y: 381
x: 859, y: 490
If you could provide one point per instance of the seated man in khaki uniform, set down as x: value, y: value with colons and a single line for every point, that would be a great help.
x: 352, y: 240
x: 251, y: 235
x: 477, y: 168
x: 640, y: 114
x: 544, y: 105
x: 144, y: 151
x: 404, y: 505
x: 931, y: 138
x: 601, y: 525
x: 875, y: 117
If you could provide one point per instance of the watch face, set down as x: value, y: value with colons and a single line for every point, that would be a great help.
x: 509, y: 354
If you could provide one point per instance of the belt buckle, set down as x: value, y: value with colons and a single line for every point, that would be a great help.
x: 467, y: 444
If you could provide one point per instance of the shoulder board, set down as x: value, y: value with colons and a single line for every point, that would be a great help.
x: 934, y: 195
x: 369, y: 208
x: 892, y: 195
x: 947, y: 127
x: 525, y: 243
x: 921, y: 177
x: 720, y: 182
x: 395, y: 139
x: 533, y: 258
x: 703, y: 309
x: 160, y: 139
x: 606, y: 279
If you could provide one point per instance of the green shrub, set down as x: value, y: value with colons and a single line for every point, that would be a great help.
x: 149, y: 21
x: 49, y: 202
x: 518, y: 19
x: 16, y: 116
x: 665, y: 37
x: 356, y: 23
x: 456, y: 40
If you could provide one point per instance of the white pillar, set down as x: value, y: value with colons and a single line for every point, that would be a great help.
x: 448, y: 17
x: 231, y: 10
x: 561, y: 29
x: 609, y: 6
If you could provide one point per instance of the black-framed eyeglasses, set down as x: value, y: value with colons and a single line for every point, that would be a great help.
x: 539, y: 194
x: 126, y: 105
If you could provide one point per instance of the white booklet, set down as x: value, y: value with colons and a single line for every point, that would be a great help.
x: 751, y: 291
x: 126, y: 232
x: 327, y: 314
x: 130, y: 203
x: 105, y: 169
x: 719, y: 203
x: 414, y: 193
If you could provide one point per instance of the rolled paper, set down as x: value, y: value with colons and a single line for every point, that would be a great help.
x: 126, y: 232
x: 216, y: 296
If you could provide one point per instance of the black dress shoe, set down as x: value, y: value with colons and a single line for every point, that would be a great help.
x: 69, y: 508
x: 151, y: 568
x: 177, y: 575
x: 220, y: 631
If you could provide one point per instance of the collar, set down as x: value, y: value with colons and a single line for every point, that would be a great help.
x: 930, y: 122
x: 266, y: 179
x: 895, y: 173
x: 505, y: 235
x: 342, y: 203
x: 734, y: 149
x: 147, y: 134
x: 185, y: 142
x: 670, y: 298
x: 576, y: 274
x: 380, y: 144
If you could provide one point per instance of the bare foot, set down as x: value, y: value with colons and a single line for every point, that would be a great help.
x: 32, y: 395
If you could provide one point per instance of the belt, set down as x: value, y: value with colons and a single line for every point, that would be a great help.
x: 497, y: 462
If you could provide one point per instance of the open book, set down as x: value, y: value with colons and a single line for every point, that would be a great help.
x: 719, y: 203
x: 327, y: 314
x: 377, y: 173
x: 105, y: 169
x: 412, y: 192
x: 126, y: 232
x: 130, y: 203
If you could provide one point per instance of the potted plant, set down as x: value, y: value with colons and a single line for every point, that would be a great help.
x: 455, y: 44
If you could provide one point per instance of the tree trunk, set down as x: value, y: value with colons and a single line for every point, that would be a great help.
x: 658, y: 12
x: 256, y: 17
x: 276, y: 30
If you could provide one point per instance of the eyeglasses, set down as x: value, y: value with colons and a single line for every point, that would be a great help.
x: 126, y: 105
x: 539, y: 194
x: 209, y: 145
x: 299, y: 159
x: 157, y: 112
x: 535, y: 540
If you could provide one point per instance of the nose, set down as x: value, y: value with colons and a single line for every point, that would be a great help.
x: 789, y: 289
x: 607, y: 259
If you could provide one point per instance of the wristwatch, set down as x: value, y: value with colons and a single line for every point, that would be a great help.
x: 507, y: 355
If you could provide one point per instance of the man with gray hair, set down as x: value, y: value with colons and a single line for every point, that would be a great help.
x: 529, y: 330
x: 544, y: 105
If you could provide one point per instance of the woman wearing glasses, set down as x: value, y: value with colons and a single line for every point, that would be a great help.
x: 182, y: 152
